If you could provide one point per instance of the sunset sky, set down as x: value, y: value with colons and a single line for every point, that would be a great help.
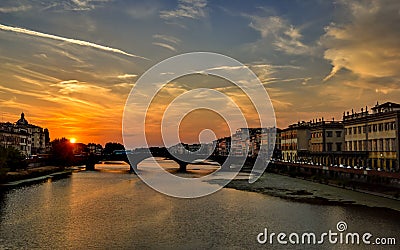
x: 69, y: 65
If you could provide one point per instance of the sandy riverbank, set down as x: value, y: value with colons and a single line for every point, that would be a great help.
x: 306, y: 191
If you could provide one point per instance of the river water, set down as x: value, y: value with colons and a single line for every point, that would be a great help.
x: 111, y: 209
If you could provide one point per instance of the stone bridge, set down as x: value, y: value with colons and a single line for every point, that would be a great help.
x: 134, y: 158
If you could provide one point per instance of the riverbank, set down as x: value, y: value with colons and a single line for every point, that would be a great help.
x: 34, y: 175
x: 299, y: 190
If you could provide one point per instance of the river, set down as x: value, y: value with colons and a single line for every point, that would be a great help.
x: 112, y: 209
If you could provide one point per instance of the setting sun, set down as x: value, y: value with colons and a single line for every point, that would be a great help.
x: 72, y: 140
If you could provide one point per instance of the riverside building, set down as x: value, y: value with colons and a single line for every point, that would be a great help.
x: 326, y: 143
x: 29, y: 139
x: 374, y: 136
x: 295, y: 140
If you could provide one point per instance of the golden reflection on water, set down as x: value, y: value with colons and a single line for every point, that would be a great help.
x: 100, y: 209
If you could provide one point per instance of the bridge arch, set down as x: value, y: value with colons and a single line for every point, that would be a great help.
x: 134, y: 158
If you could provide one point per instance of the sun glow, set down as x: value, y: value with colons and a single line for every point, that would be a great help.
x: 72, y: 140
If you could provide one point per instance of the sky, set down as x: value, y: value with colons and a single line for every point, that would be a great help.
x: 70, y: 65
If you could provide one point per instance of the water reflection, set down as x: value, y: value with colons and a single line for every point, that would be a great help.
x: 111, y: 209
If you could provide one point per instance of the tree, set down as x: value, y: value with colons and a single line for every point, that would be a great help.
x: 110, y: 147
x: 62, y: 152
x: 12, y: 159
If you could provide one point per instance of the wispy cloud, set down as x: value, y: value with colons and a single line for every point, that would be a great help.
x: 66, y: 54
x: 164, y: 45
x: 166, y: 41
x: 15, y: 9
x: 75, y: 5
x: 68, y: 40
x: 143, y: 10
x: 123, y: 85
x: 167, y: 38
x: 74, y: 86
x: 284, y: 36
x: 127, y: 76
x: 193, y: 9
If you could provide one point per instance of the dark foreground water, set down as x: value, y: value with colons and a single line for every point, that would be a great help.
x: 111, y: 209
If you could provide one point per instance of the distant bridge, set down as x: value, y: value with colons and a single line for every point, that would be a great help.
x: 134, y: 158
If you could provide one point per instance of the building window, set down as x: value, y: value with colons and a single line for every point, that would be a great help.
x: 355, y: 130
x: 363, y: 129
x: 374, y: 127
x: 355, y: 145
x: 359, y: 129
x: 329, y: 133
x: 360, y: 146
x: 386, y: 145
x: 338, y: 146
x: 369, y: 129
x: 392, y: 144
x: 349, y: 130
x: 329, y: 146
x: 338, y: 133
x: 380, y: 127
x: 387, y: 126
x: 380, y: 145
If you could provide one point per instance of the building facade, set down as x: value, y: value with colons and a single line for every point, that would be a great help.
x: 270, y: 145
x: 223, y: 146
x: 326, y: 136
x: 326, y: 142
x: 248, y: 141
x: 240, y: 142
x: 15, y: 137
x: 374, y: 134
x: 29, y: 139
x: 295, y: 140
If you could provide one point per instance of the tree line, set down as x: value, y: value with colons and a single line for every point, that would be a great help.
x: 62, y: 153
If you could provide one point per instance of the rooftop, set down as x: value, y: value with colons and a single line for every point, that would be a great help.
x: 376, y: 110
